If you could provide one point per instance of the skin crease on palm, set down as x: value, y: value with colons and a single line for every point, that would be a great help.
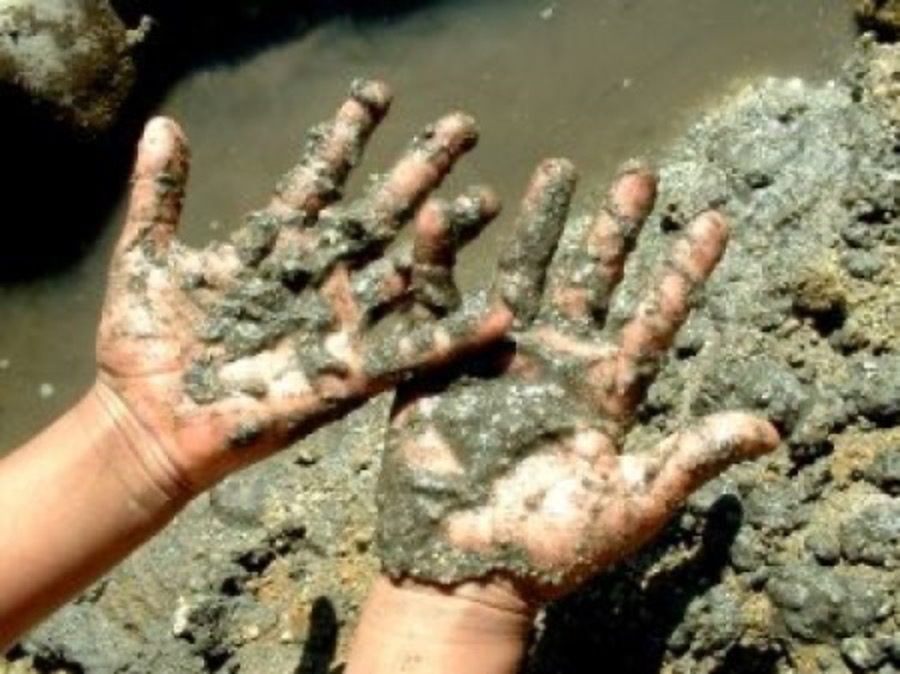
x: 301, y: 283
x: 540, y: 500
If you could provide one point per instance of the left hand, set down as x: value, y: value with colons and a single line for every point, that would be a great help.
x: 509, y: 469
x: 212, y: 359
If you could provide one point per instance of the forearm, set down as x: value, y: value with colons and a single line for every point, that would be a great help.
x: 74, y: 501
x: 408, y: 628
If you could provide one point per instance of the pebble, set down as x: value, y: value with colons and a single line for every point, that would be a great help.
x: 884, y: 471
x: 548, y: 13
x: 873, y: 536
x: 875, y: 385
x: 747, y: 554
x: 774, y: 507
x: 816, y: 603
x: 863, y: 264
x: 46, y: 390
x: 824, y: 546
x: 861, y: 653
x: 5, y: 363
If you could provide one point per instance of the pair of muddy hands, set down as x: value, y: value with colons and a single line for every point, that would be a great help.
x: 503, y: 451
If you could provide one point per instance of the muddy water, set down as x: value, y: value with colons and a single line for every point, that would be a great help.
x: 595, y: 80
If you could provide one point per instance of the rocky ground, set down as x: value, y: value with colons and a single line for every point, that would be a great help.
x: 791, y: 564
x: 67, y: 59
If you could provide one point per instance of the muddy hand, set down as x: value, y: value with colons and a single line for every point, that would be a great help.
x: 510, y: 467
x: 228, y: 353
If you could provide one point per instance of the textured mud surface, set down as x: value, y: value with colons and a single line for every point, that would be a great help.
x: 791, y: 564
x: 416, y: 503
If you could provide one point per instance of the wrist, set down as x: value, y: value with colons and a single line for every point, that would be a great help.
x: 496, y: 597
x: 415, y: 627
x: 150, y: 480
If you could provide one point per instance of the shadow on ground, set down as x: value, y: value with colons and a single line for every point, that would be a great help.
x: 59, y: 190
x: 321, y: 645
x: 627, y: 623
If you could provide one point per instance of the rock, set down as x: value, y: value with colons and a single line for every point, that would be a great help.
x: 863, y: 264
x: 884, y: 470
x: 875, y: 386
x: 880, y: 15
x: 872, y: 536
x: 893, y: 648
x: 863, y: 654
x: 70, y: 57
x: 755, y: 382
x: 824, y: 546
x: 880, y: 80
x: 774, y: 507
x: 818, y: 605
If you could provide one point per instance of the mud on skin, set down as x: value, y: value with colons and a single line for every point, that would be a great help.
x: 753, y: 576
x: 416, y: 503
x: 285, y: 260
x: 278, y: 325
x: 554, y: 398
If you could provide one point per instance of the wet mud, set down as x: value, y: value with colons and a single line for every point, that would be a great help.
x: 414, y: 503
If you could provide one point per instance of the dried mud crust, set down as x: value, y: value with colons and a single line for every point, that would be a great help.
x: 791, y: 564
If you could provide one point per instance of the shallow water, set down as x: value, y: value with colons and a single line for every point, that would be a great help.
x: 595, y: 80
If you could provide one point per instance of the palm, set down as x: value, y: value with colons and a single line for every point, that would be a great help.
x: 246, y: 345
x: 512, y: 464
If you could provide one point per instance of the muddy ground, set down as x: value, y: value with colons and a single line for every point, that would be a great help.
x: 791, y: 564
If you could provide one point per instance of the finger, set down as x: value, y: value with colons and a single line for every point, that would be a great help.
x: 589, y: 268
x: 424, y: 270
x: 663, y: 478
x: 382, y: 285
x: 441, y: 229
x: 337, y: 291
x: 332, y: 150
x: 523, y: 266
x: 157, y: 190
x: 422, y: 168
x: 645, y: 339
x: 476, y: 324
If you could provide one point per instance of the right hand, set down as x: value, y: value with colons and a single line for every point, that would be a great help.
x: 211, y: 359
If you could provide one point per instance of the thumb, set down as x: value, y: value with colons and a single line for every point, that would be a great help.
x: 157, y: 188
x: 666, y: 476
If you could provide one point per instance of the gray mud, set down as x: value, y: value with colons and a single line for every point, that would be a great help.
x: 787, y: 565
x: 521, y: 417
